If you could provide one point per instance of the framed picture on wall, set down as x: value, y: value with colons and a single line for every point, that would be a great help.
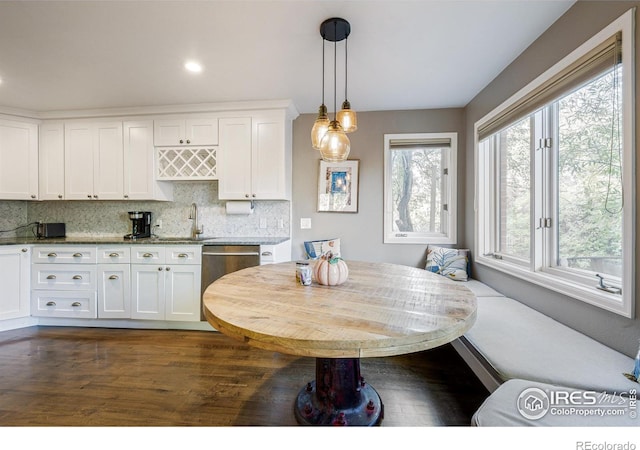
x: 338, y: 186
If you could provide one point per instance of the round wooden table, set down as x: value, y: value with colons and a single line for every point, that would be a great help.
x: 381, y: 310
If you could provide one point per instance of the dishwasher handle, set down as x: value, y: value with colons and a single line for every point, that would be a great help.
x: 231, y: 254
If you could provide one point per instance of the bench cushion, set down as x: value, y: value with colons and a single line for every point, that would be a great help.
x: 481, y: 289
x: 500, y: 409
x: 519, y: 342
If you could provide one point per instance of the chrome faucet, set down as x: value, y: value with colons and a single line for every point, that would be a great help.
x: 193, y: 215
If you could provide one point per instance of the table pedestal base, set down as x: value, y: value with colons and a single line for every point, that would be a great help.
x: 338, y: 396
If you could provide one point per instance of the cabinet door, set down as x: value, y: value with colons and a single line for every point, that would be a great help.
x: 14, y: 280
x: 78, y: 161
x: 169, y: 132
x: 234, y: 160
x: 202, y: 131
x: 51, y: 161
x: 18, y: 160
x: 182, y: 293
x: 147, y: 291
x: 114, y: 291
x: 138, y: 160
x: 108, y: 159
x: 271, y: 163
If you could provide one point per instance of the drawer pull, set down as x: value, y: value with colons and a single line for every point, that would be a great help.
x: 148, y: 255
x: 24, y: 250
x: 51, y: 277
x: 168, y: 269
x: 51, y: 303
x: 114, y: 255
x: 159, y: 268
x: 113, y: 277
x: 77, y: 255
x: 77, y: 277
x: 183, y: 255
x: 76, y: 304
x: 267, y: 254
x: 53, y: 255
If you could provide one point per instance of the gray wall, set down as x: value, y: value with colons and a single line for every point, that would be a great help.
x: 361, y: 233
x: 581, y: 22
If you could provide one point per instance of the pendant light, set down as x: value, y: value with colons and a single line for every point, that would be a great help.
x: 334, y: 145
x: 346, y: 116
x: 321, y: 125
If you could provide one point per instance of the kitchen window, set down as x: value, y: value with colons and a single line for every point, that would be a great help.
x: 555, y: 201
x: 420, y: 188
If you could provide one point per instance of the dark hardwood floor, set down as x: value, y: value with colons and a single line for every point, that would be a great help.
x: 61, y: 376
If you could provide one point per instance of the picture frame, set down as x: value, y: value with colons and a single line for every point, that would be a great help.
x: 338, y: 186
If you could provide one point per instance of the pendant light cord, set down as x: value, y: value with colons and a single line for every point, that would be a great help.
x: 335, y: 70
x: 346, y: 71
x: 323, y: 70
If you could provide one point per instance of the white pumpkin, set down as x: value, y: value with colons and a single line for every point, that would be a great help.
x: 330, y: 272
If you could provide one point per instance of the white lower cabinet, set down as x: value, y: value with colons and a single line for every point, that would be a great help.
x: 114, y: 282
x: 14, y: 281
x: 165, y: 283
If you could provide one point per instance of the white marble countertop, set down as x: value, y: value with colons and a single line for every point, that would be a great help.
x: 102, y: 240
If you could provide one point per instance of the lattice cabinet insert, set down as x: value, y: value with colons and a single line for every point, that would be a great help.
x: 187, y: 163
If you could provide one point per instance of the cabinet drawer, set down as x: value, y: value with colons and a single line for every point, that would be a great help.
x: 153, y: 254
x: 64, y: 254
x: 120, y: 254
x: 74, y: 277
x: 63, y: 304
x: 191, y: 254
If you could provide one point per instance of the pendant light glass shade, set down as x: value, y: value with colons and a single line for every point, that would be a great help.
x: 335, y: 145
x: 347, y: 118
x: 320, y: 127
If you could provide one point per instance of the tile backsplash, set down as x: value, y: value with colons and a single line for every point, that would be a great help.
x: 95, y: 218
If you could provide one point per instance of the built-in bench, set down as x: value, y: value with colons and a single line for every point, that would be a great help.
x: 512, y: 347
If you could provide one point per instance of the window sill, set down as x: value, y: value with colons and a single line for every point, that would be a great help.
x: 619, y: 304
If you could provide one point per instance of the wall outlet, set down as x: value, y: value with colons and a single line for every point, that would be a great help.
x: 305, y: 223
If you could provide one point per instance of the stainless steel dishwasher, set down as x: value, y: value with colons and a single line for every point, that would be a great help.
x: 219, y: 260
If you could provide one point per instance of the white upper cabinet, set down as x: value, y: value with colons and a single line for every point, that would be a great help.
x: 255, y: 158
x: 186, y: 131
x: 94, y: 161
x: 51, y: 161
x: 139, y: 164
x: 18, y: 160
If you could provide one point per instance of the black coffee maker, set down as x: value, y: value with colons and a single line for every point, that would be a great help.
x: 140, y: 225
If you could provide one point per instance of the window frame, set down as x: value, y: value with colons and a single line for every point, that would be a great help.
x: 540, y: 271
x: 450, y: 198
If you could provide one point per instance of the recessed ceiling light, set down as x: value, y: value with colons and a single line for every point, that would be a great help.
x: 193, y: 66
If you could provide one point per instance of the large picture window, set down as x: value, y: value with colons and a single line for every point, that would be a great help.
x: 420, y: 190
x: 555, y: 184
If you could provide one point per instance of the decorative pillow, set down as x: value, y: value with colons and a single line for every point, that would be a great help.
x: 317, y: 249
x: 450, y: 262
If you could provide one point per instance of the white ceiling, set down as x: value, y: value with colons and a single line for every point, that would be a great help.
x: 402, y: 54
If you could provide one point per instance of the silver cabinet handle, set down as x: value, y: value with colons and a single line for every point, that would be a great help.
x: 168, y: 269
x: 114, y: 255
x: 183, y: 255
x: 181, y: 141
x: 188, y: 141
x: 159, y: 268
x: 52, y: 254
x: 76, y: 304
x: 77, y: 255
x: 51, y: 277
x: 51, y: 303
x: 147, y: 255
x: 33, y: 196
x: 77, y: 277
x: 25, y: 250
x: 267, y: 253
x: 59, y: 195
x: 113, y: 277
